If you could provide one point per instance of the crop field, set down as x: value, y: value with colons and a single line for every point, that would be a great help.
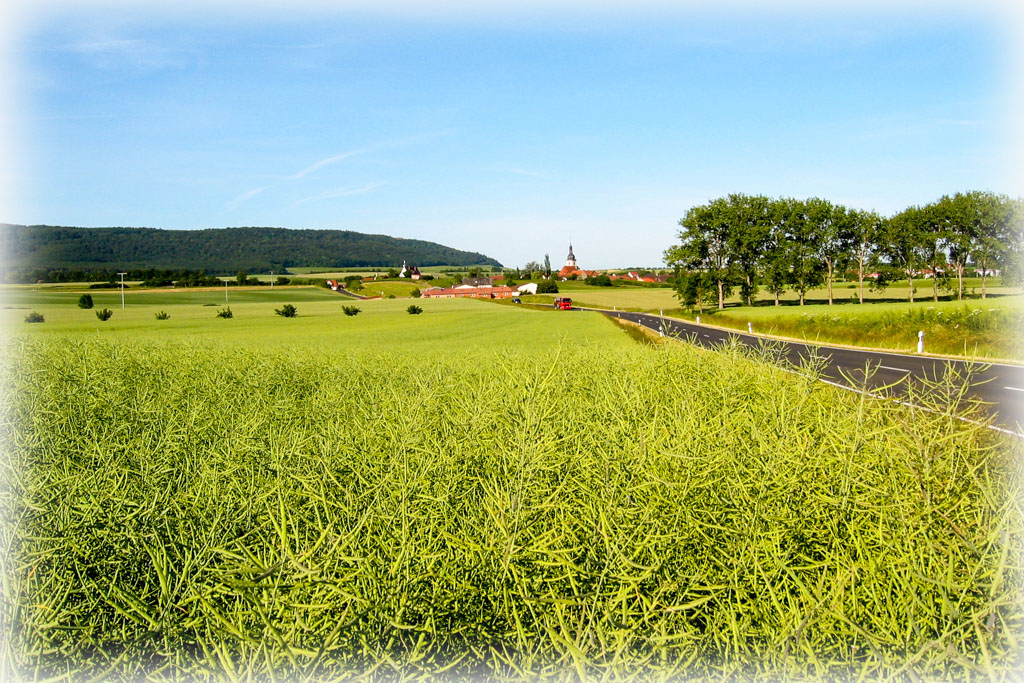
x: 398, y: 288
x: 62, y: 302
x: 482, y: 492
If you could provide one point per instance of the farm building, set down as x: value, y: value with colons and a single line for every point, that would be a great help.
x: 477, y: 282
x: 464, y: 292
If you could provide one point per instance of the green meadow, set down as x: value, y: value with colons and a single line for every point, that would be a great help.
x: 479, y: 492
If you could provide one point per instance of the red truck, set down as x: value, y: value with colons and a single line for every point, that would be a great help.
x: 564, y: 303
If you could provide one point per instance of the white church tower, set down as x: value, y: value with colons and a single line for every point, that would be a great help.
x: 570, y: 260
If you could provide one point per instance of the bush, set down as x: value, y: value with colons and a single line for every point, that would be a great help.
x: 415, y: 294
x: 225, y: 313
x: 104, y: 314
x: 547, y: 287
x: 281, y: 280
x: 34, y: 317
x: 85, y: 301
x: 414, y: 309
x: 286, y: 311
x: 162, y: 315
x: 350, y: 310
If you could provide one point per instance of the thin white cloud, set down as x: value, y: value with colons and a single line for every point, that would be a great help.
x: 328, y: 161
x: 526, y: 172
x: 245, y: 196
x: 341, y: 192
x: 134, y: 55
x: 322, y: 163
x: 312, y: 168
x: 954, y: 122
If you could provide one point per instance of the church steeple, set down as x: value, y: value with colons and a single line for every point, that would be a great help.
x: 571, y: 258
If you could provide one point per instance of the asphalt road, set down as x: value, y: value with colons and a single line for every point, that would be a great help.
x: 897, y: 375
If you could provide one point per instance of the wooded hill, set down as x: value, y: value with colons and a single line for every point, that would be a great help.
x: 217, y: 250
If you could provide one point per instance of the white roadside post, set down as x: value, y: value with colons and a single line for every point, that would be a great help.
x: 122, y: 288
x: 920, y: 341
x: 750, y: 328
x: 698, y: 320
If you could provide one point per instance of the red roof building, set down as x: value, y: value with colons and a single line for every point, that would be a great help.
x: 469, y: 293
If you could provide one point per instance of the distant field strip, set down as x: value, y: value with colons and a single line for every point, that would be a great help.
x: 990, y: 328
x: 482, y: 492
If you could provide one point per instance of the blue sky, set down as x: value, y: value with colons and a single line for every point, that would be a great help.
x: 503, y: 132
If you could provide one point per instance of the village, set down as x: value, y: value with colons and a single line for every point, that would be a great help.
x: 494, y: 287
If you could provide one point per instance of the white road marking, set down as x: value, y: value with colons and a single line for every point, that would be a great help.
x: 889, y: 367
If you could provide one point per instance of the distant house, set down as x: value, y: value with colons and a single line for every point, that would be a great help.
x: 409, y: 272
x: 466, y: 292
x: 477, y: 281
x: 637, y: 277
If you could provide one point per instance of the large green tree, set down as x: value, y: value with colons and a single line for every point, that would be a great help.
x: 993, y: 216
x: 829, y: 226
x: 1013, y: 265
x: 901, y: 241
x: 936, y: 223
x: 776, y: 272
x: 704, y: 245
x: 800, y: 234
x: 865, y: 227
x: 750, y: 231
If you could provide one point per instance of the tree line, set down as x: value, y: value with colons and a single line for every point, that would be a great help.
x: 220, y: 251
x: 785, y: 244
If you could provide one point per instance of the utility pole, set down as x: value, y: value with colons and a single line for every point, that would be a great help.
x: 122, y: 288
x: 225, y: 291
x: 271, y: 279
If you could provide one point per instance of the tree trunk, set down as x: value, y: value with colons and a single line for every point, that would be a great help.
x: 750, y: 298
x: 959, y: 283
x: 777, y: 299
x: 829, y: 264
x: 721, y: 294
x: 984, y: 276
x: 910, y: 281
x: 935, y: 286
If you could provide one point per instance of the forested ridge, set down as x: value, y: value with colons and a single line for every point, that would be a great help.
x: 217, y: 250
